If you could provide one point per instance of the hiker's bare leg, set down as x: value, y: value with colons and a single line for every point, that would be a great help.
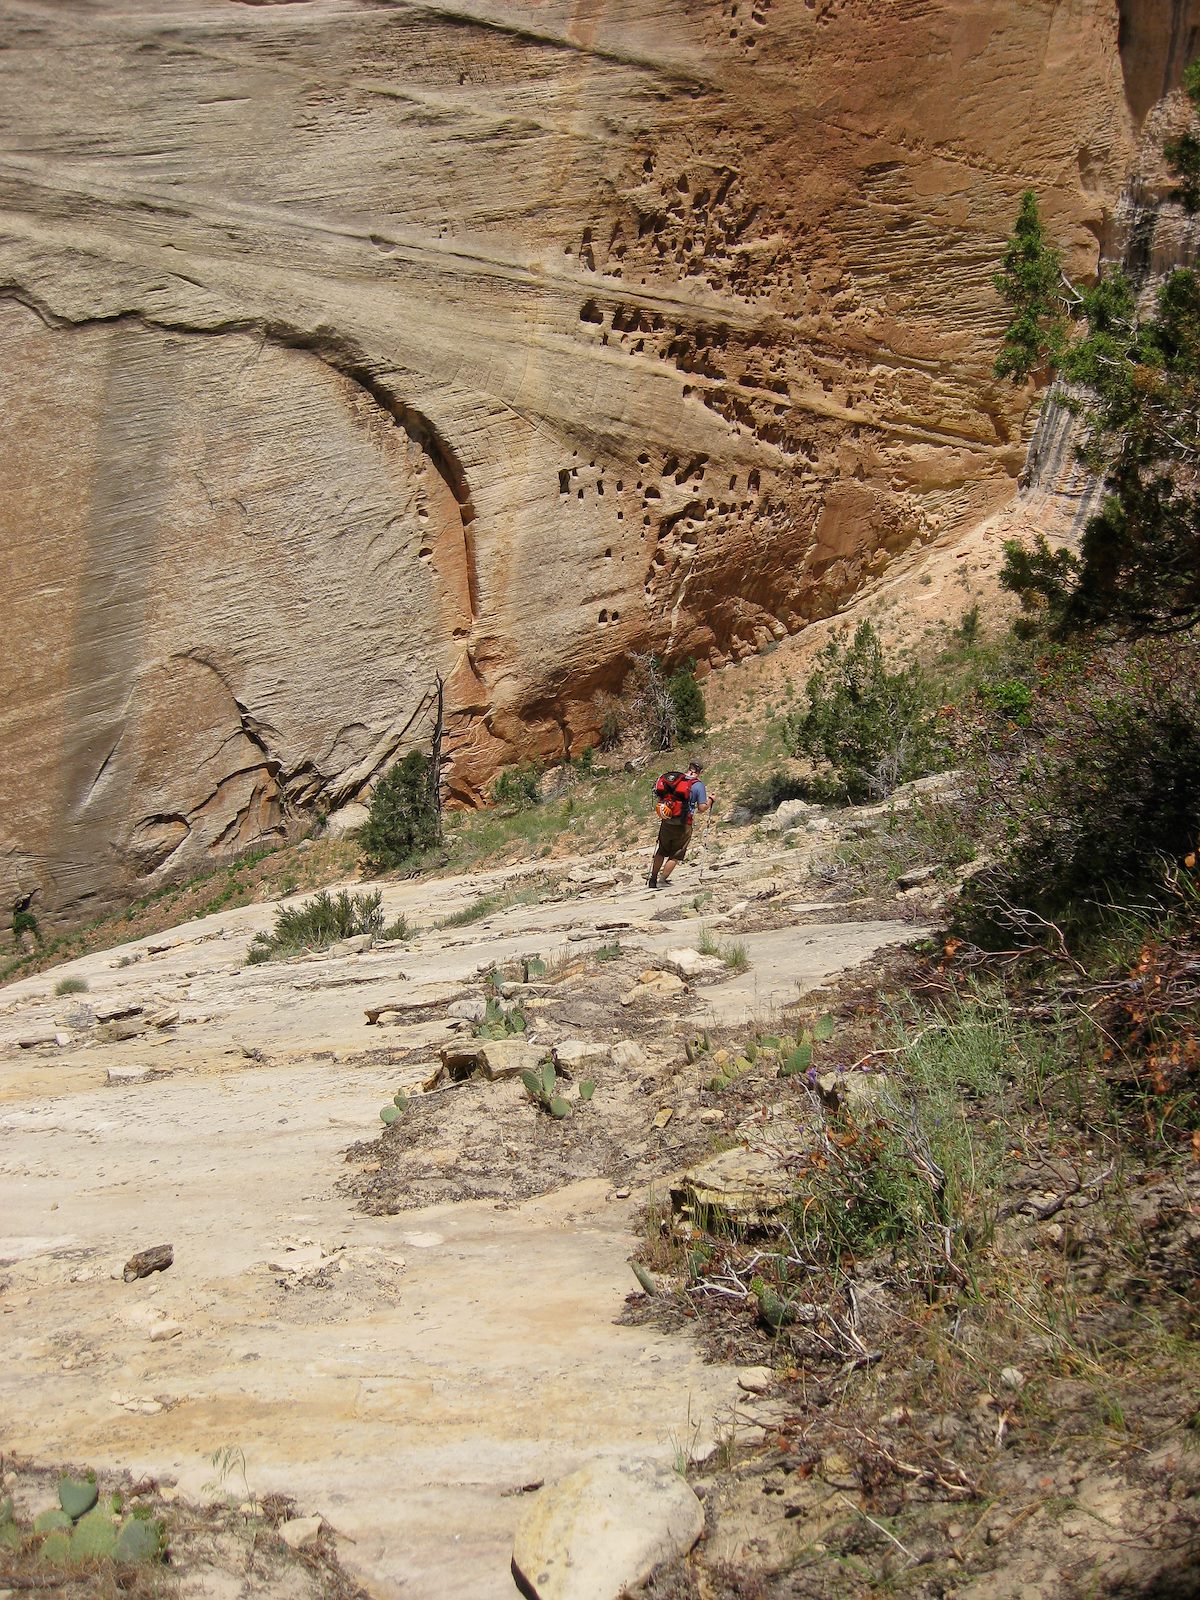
x: 668, y: 870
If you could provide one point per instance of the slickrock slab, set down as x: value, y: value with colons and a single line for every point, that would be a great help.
x: 602, y: 1530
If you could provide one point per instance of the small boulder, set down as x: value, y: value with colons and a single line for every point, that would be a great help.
x: 915, y: 877
x: 691, y: 963
x: 489, y: 1058
x: 755, y: 1380
x: 603, y: 1530
x: 122, y: 1028
x: 629, y: 1056
x: 298, y: 1533
x: 36, y: 1037
x: 579, y: 1054
x: 653, y: 984
x: 467, y: 1010
x: 347, y: 819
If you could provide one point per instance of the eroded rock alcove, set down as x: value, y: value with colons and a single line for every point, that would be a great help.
x: 343, y: 344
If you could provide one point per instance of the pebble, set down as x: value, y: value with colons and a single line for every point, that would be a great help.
x: 167, y: 1329
x: 1012, y: 1378
x: 755, y: 1380
x: 299, y: 1532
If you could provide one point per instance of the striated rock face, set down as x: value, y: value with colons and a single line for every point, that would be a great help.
x: 343, y: 342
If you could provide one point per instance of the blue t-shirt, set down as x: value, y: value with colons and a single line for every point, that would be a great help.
x: 697, y: 796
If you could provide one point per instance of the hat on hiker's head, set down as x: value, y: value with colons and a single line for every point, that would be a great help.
x: 695, y: 766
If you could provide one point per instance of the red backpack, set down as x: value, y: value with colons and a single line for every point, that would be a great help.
x: 672, y: 793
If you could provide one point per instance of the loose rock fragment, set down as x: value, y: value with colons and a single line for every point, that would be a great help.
x: 603, y: 1530
x: 157, y: 1259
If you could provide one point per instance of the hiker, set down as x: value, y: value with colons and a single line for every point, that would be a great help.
x: 680, y: 796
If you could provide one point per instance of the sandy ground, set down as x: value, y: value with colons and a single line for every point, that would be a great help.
x: 404, y: 1375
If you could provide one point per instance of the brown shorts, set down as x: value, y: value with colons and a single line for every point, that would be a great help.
x: 673, y: 839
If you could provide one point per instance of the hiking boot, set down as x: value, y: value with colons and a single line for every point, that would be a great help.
x: 652, y: 882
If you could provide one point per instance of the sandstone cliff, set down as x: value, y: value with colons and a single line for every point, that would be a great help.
x: 347, y: 341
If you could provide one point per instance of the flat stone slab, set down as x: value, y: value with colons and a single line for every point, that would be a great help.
x: 748, y: 1186
x: 602, y: 1530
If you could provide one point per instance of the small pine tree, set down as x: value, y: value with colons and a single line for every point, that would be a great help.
x: 1184, y: 152
x: 691, y: 714
x: 876, y: 728
x: 402, y: 820
x: 1031, y: 281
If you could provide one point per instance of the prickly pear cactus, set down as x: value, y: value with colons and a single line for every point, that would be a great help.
x: 76, y: 1496
x: 388, y: 1115
x: 10, y: 1534
x: 140, y: 1539
x: 95, y: 1536
x: 51, y: 1521
x: 56, y: 1547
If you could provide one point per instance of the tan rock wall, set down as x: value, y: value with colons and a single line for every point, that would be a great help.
x: 346, y: 342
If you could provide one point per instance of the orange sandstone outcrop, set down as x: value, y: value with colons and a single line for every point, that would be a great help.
x: 343, y: 343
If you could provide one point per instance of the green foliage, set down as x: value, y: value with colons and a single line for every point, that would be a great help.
x: 687, y: 697
x: 404, y: 817
x: 877, y: 728
x: 474, y: 911
x: 1088, y: 798
x: 765, y: 794
x: 799, y: 1061
x: 25, y: 922
x: 71, y: 986
x: 1184, y: 152
x: 735, y: 956
x: 908, y: 1167
x: 396, y: 1110
x: 1136, y: 381
x: 541, y: 1085
x: 655, y: 709
x: 397, y: 930
x: 1009, y: 697
x: 318, y: 923
x: 500, y: 1022
x: 519, y: 787
x: 1030, y: 281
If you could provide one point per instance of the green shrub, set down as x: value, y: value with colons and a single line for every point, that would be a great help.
x: 762, y: 795
x: 691, y: 714
x: 1091, y: 797
x: 318, y: 923
x: 519, y: 787
x: 71, y: 986
x: 877, y: 728
x: 403, y: 819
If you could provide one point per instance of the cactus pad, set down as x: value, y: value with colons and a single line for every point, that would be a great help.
x: 95, y: 1536
x: 52, y: 1521
x: 139, y: 1540
x: 76, y: 1496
